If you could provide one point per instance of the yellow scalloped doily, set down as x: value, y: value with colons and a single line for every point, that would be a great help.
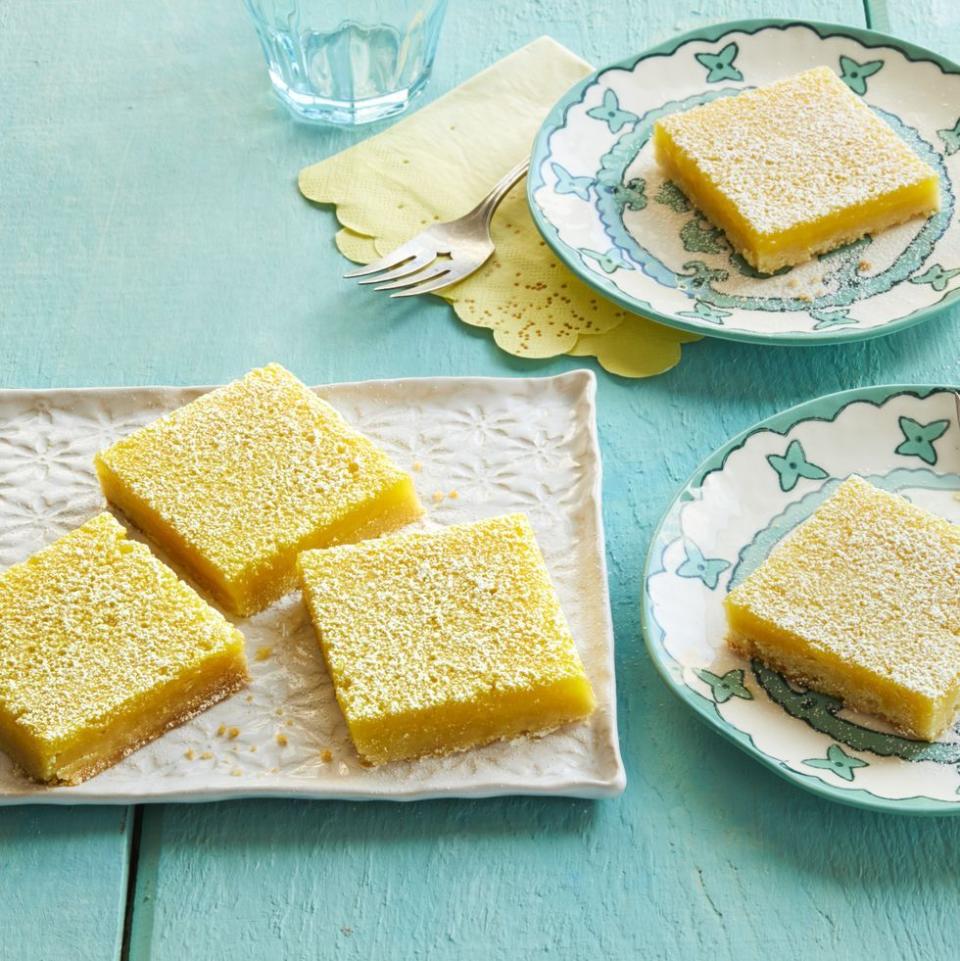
x: 438, y: 163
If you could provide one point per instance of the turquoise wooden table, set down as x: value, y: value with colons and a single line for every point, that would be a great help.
x: 151, y: 232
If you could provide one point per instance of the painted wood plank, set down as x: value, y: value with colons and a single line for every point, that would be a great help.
x: 63, y: 871
x: 931, y: 23
x: 63, y: 882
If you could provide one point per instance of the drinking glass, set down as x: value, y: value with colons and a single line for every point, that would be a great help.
x: 348, y: 62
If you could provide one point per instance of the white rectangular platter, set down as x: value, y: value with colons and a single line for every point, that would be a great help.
x: 476, y: 447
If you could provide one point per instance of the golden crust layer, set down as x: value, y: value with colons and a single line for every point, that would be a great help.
x: 223, y: 688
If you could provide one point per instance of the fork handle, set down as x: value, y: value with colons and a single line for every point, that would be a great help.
x: 485, y: 209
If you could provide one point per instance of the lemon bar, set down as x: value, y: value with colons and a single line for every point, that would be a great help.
x: 437, y: 642
x: 794, y: 169
x: 862, y: 602
x: 103, y: 648
x: 235, y: 484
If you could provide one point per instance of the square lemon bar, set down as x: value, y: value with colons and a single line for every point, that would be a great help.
x: 862, y: 602
x: 102, y: 649
x: 235, y: 484
x: 794, y: 169
x: 437, y: 642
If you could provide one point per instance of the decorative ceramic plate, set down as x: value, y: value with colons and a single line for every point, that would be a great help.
x: 721, y: 526
x: 601, y: 202
x: 501, y: 444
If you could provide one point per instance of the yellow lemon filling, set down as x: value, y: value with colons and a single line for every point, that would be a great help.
x: 103, y: 648
x: 862, y: 602
x: 794, y: 169
x: 437, y: 642
x: 236, y: 484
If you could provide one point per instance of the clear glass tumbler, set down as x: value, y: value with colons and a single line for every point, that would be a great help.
x: 363, y: 65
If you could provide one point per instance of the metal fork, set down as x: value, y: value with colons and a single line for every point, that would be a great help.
x: 443, y: 254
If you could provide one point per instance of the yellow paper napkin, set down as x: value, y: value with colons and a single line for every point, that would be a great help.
x: 441, y: 161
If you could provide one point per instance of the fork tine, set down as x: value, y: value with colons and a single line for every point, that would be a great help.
x: 453, y: 276
x: 439, y: 281
x: 424, y: 288
x: 396, y: 257
x: 436, y: 269
x: 408, y: 267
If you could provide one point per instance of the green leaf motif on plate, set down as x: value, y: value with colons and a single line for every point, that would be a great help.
x: 720, y: 65
x: 698, y: 276
x: 855, y: 75
x: 608, y: 262
x: 919, y: 438
x: 793, y: 465
x: 611, y: 114
x: 828, y: 319
x: 702, y: 568
x: 670, y: 195
x: 837, y: 761
x: 703, y: 311
x: 567, y: 183
x: 629, y: 196
x: 936, y: 277
x: 723, y: 688
x: 951, y: 138
x: 699, y: 236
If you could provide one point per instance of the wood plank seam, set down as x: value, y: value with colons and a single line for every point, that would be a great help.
x: 133, y: 860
